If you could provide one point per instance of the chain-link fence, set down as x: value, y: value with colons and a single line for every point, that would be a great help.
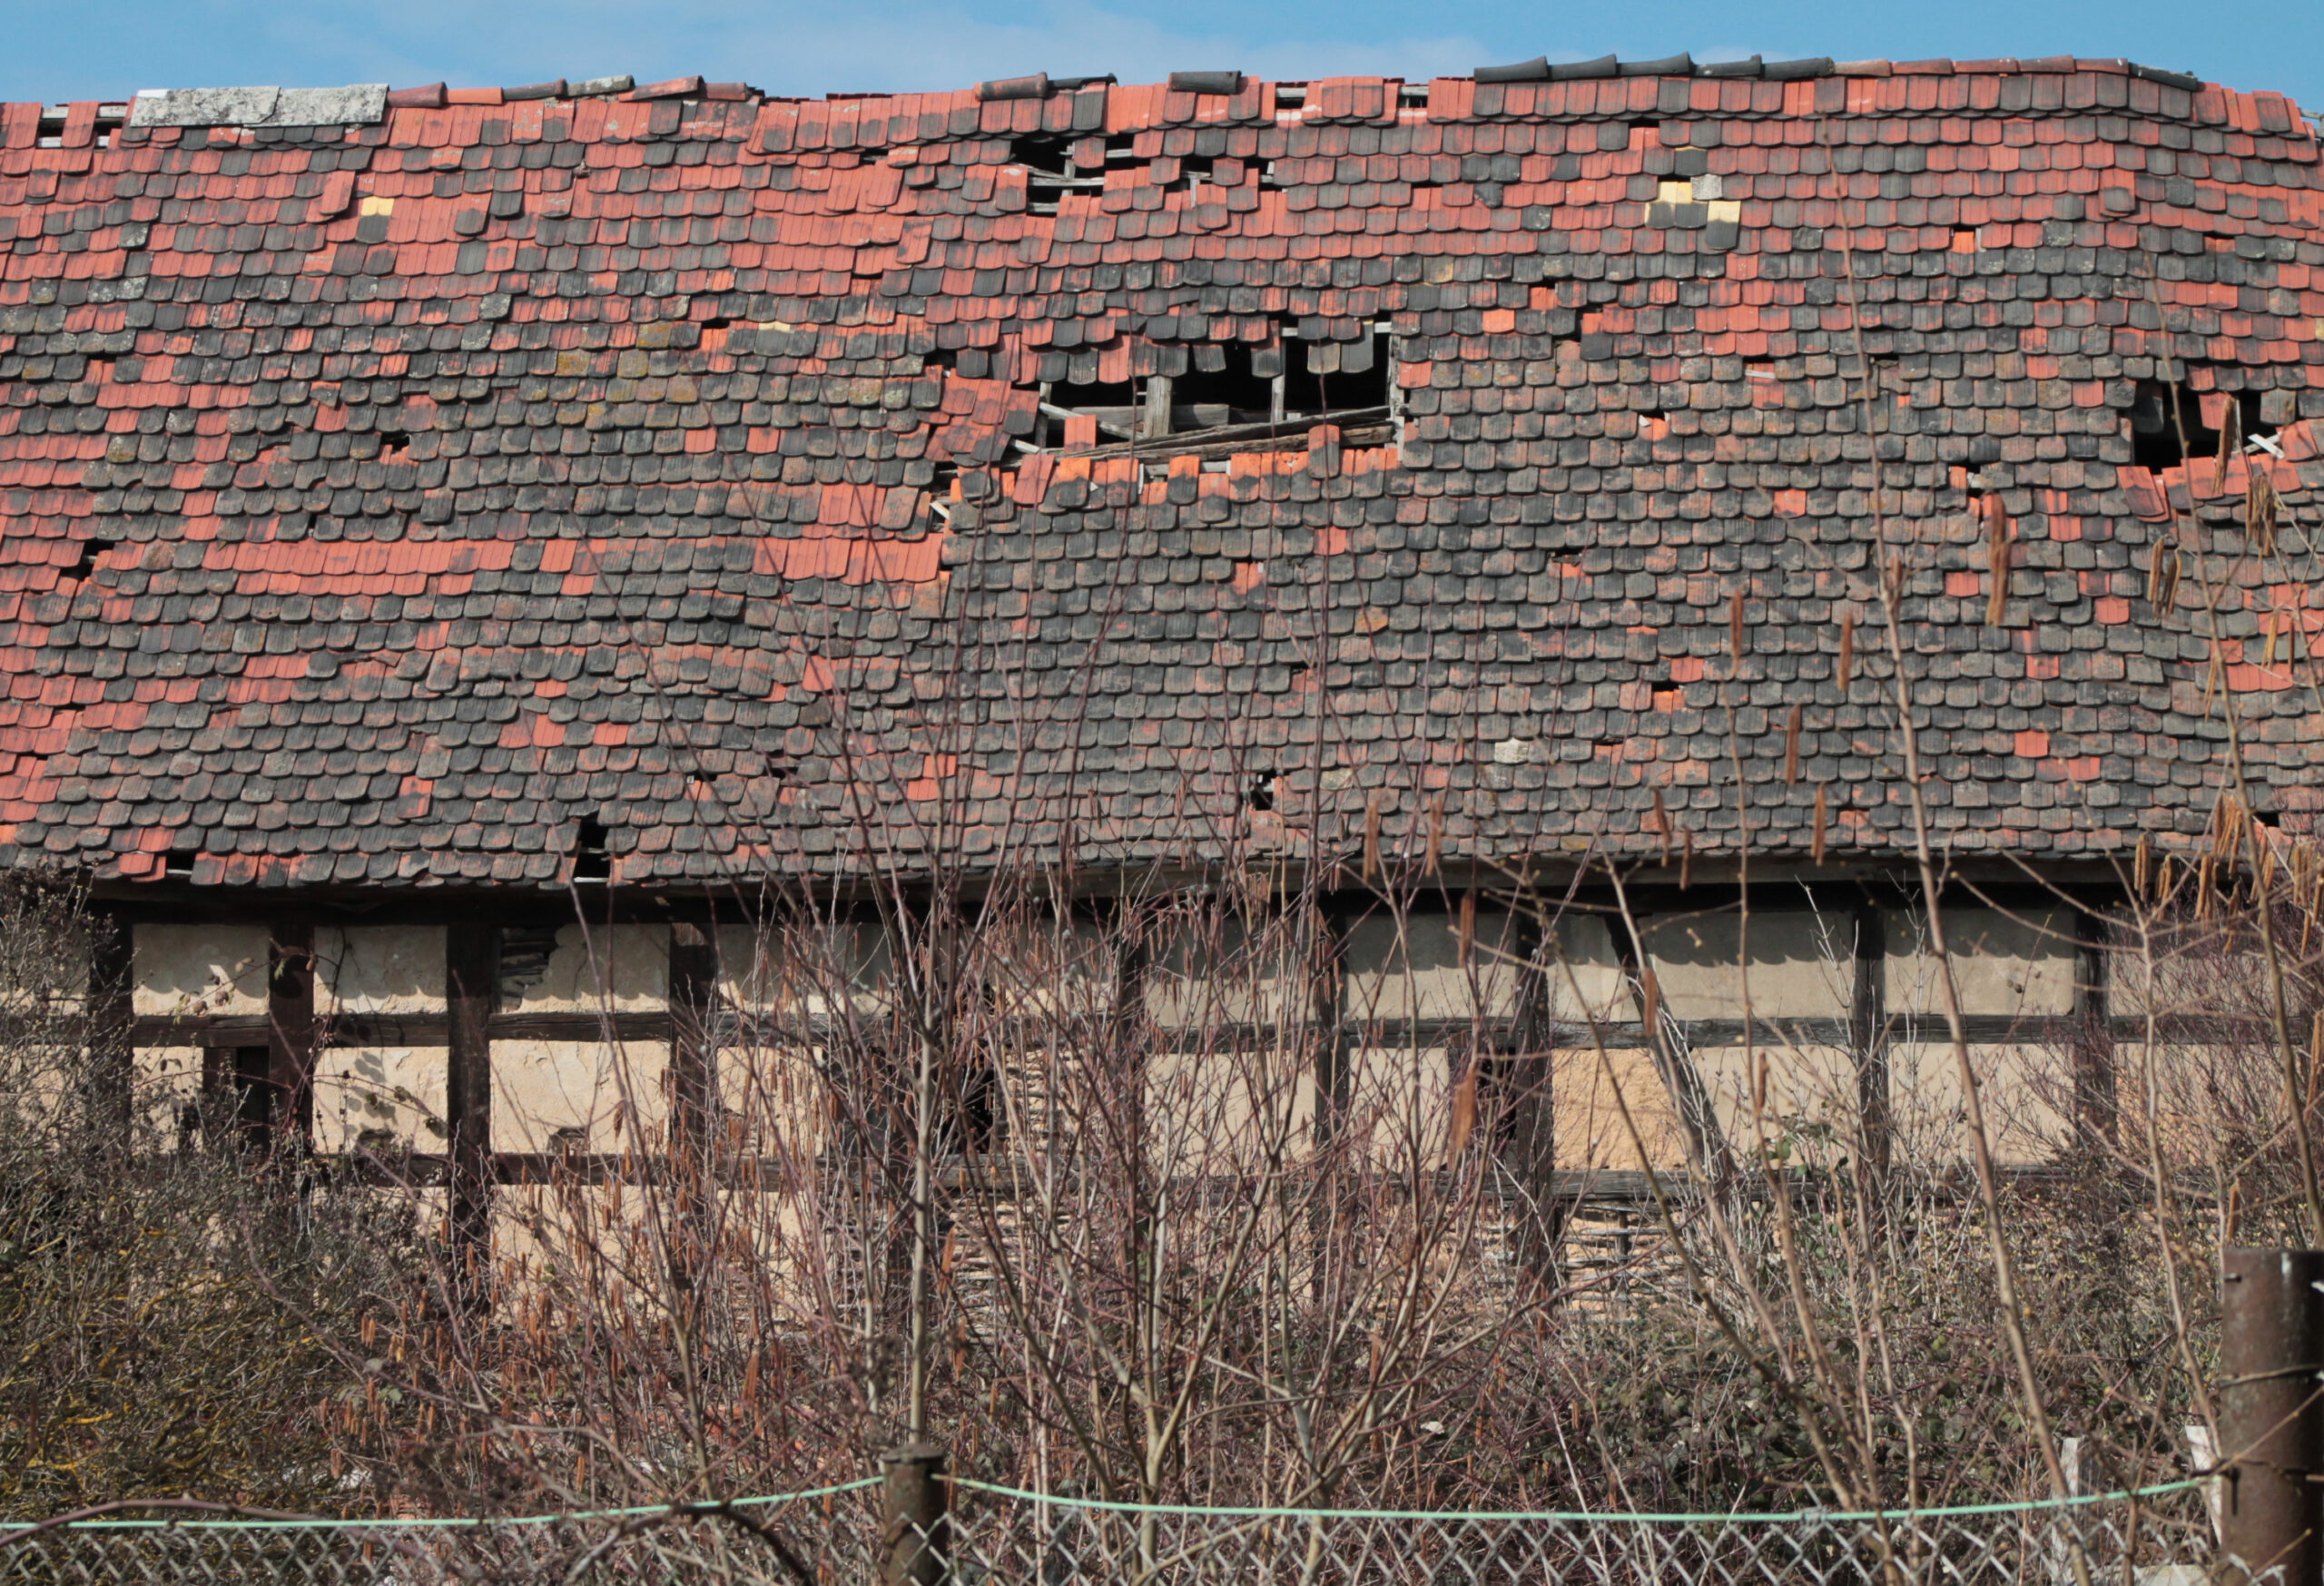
x: 2155, y: 1537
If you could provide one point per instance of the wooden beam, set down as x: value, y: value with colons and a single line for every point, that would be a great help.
x: 403, y: 1030
x: 1529, y: 1153
x: 112, y: 1017
x: 1868, y: 1042
x: 2094, y: 1099
x: 694, y: 1092
x: 471, y: 976
x: 291, y: 1029
x: 1154, y: 422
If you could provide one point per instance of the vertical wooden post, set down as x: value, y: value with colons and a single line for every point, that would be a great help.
x: 1868, y: 1040
x: 915, y: 1543
x: 693, y: 1077
x: 1154, y: 422
x: 2094, y: 1097
x: 113, y: 1063
x: 471, y: 976
x: 1327, y: 1009
x: 1530, y: 1155
x: 693, y: 1050
x: 2271, y: 1354
x: 291, y: 1030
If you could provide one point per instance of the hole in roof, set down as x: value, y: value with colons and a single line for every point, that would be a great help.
x: 1262, y: 793
x: 393, y: 444
x: 1653, y: 425
x: 1965, y: 240
x: 178, y: 862
x: 590, y: 861
x: 86, y: 567
x: 2160, y: 413
x: 717, y: 323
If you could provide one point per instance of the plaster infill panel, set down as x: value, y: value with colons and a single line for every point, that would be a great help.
x: 1588, y: 1124
x: 776, y: 1102
x: 2020, y: 1088
x: 1583, y: 980
x: 1415, y: 968
x: 1805, y: 1110
x: 384, y: 1099
x: 168, y: 1079
x: 1229, y: 1111
x: 623, y: 968
x: 552, y: 1095
x: 188, y: 970
x: 2021, y: 965
x: 1802, y: 964
x: 801, y: 968
x: 1199, y: 980
x: 1399, y: 1099
x: 379, y: 969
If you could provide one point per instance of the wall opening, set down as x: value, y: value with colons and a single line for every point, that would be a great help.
x: 591, y: 862
x: 85, y: 568
x: 2159, y: 412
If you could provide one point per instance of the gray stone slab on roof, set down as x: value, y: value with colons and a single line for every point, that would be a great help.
x: 358, y: 104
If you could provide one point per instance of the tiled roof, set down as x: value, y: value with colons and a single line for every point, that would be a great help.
x: 391, y: 502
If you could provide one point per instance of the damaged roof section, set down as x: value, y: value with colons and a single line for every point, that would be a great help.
x: 362, y: 104
x: 658, y: 484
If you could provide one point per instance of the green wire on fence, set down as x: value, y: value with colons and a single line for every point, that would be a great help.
x: 1793, y: 1517
x: 709, y: 1507
x: 1568, y: 1517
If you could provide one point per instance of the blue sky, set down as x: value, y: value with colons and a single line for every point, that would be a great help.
x: 58, y: 51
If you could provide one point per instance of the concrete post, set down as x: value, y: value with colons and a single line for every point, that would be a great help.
x: 2271, y: 1420
x: 914, y: 1544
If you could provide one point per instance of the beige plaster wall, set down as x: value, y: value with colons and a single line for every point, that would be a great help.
x: 379, y: 969
x: 388, y: 1099
x: 196, y: 970
x: 1802, y: 964
x: 2022, y: 1088
x: 1241, y: 976
x: 1413, y: 968
x: 616, y: 1095
x: 1797, y: 1102
x: 1224, y: 1111
x: 2003, y: 964
x: 626, y: 968
x: 1588, y: 1129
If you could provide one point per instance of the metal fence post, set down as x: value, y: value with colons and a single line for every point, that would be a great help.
x: 2271, y: 1349
x: 916, y: 1539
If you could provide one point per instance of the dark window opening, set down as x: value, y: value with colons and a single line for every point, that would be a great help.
x: 1262, y: 795
x: 2159, y: 412
x: 972, y: 1127
x: 85, y: 568
x: 1226, y: 383
x: 591, y: 862
x: 1510, y: 1099
x: 1358, y: 380
x: 2250, y: 408
x: 238, y: 1096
